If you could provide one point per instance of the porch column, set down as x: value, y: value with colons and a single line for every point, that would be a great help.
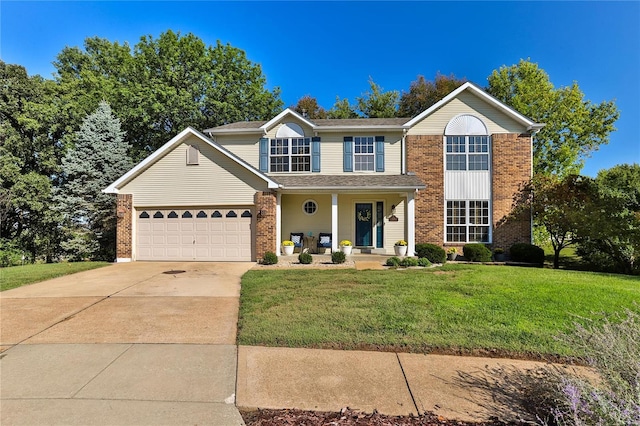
x: 334, y: 223
x: 278, y: 223
x: 411, y: 224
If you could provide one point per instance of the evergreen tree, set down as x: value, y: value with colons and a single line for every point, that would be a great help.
x: 99, y: 157
x: 377, y: 103
x: 342, y: 109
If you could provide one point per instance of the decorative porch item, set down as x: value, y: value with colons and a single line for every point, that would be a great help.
x: 498, y: 254
x: 452, y: 253
x: 287, y: 247
x: 346, y: 247
x: 400, y: 248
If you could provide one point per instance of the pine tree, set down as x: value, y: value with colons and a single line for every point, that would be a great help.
x: 99, y: 157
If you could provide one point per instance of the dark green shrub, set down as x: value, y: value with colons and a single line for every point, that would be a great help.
x: 528, y: 253
x: 424, y: 262
x: 269, y: 258
x: 338, y: 257
x: 10, y: 255
x: 409, y: 261
x: 434, y: 253
x: 476, y: 252
x: 305, y: 258
x: 393, y: 261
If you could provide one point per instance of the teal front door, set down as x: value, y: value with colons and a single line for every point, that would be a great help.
x: 364, y: 224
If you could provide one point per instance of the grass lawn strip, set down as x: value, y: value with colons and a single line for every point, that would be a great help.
x: 17, y: 276
x: 481, y: 309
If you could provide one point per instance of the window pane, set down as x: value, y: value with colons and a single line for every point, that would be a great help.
x: 478, y: 161
x: 478, y: 144
x: 301, y: 163
x: 479, y: 234
x: 455, y: 143
x: 456, y: 233
x: 456, y: 162
x: 456, y: 212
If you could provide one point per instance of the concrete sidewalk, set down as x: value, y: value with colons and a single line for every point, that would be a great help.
x: 453, y: 387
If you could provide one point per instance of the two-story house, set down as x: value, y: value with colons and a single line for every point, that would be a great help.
x: 447, y: 176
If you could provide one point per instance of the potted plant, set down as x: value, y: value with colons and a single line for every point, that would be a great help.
x: 345, y: 247
x: 452, y: 253
x: 400, y: 248
x: 498, y: 254
x: 288, y: 247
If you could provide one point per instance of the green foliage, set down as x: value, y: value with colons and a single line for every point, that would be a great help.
x: 424, y: 262
x: 269, y: 258
x: 408, y: 262
x: 422, y: 93
x: 10, y: 254
x: 338, y: 257
x: 342, y: 109
x: 376, y: 103
x: 305, y: 258
x: 528, y: 253
x: 22, y: 275
x: 309, y: 105
x: 393, y: 261
x: 574, y: 127
x: 476, y: 252
x: 434, y: 253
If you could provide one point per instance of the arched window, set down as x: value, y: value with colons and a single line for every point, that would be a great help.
x: 290, y: 151
x: 466, y: 144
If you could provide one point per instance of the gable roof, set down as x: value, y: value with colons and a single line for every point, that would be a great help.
x: 175, y: 141
x: 480, y: 93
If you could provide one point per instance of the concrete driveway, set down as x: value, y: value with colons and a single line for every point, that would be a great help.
x: 133, y: 343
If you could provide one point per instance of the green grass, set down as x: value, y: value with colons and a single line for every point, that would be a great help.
x: 17, y: 276
x: 468, y: 308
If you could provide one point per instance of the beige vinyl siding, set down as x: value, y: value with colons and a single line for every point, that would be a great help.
x: 467, y: 103
x: 217, y: 180
x: 245, y: 146
x: 295, y: 220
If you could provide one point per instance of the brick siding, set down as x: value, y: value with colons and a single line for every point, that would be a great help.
x: 124, y: 215
x: 265, y: 238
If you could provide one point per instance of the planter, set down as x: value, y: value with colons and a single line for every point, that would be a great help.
x: 400, y: 250
x: 499, y: 257
x: 288, y: 250
x: 452, y: 256
x: 346, y: 250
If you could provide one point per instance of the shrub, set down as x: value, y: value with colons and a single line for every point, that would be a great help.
x: 498, y: 250
x: 269, y: 258
x: 529, y: 253
x: 338, y: 257
x: 476, y: 252
x: 424, y: 262
x: 10, y: 255
x: 305, y: 258
x: 393, y: 261
x: 409, y: 261
x: 434, y: 253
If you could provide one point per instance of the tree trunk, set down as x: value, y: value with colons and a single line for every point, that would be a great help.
x: 556, y: 258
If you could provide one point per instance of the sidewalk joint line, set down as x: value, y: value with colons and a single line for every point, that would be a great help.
x: 413, y: 399
x: 100, y: 372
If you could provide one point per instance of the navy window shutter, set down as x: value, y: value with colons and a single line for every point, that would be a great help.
x: 348, y: 154
x: 315, y: 154
x: 264, y: 155
x: 379, y: 153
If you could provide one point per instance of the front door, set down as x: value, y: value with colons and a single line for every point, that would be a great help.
x: 364, y: 224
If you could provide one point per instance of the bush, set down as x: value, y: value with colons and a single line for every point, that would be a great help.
x: 305, y: 258
x: 529, y: 253
x: 393, y: 261
x: 424, y: 262
x: 476, y: 252
x: 10, y: 255
x: 434, y: 253
x: 269, y: 258
x: 408, y: 262
x: 338, y: 257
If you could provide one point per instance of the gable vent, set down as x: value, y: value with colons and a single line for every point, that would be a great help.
x: 465, y: 125
x: 193, y: 155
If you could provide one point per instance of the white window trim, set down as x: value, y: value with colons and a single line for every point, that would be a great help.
x: 290, y: 154
x: 467, y: 222
x: 312, y: 201
x: 466, y: 154
x: 354, y: 155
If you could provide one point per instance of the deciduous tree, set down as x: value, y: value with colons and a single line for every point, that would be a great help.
x: 342, y: 109
x: 308, y: 106
x: 422, y: 93
x: 376, y: 103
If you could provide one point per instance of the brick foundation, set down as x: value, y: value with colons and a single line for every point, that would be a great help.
x: 265, y: 225
x: 124, y: 228
x: 511, y: 166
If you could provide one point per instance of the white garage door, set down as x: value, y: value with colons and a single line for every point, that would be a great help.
x: 194, y: 234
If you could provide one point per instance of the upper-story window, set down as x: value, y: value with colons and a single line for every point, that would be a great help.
x: 290, y: 155
x: 364, y: 158
x: 466, y: 144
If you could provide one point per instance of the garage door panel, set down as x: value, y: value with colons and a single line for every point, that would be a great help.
x: 206, y: 234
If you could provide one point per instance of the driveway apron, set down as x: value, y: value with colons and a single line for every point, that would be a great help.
x: 133, y: 343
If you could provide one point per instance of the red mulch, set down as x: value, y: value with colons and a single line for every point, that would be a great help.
x: 348, y: 417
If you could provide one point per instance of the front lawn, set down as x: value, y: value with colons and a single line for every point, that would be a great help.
x: 468, y: 308
x: 17, y: 276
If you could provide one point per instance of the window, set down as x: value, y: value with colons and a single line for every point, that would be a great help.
x: 467, y: 153
x: 290, y: 155
x: 309, y: 207
x: 467, y: 221
x: 363, y: 154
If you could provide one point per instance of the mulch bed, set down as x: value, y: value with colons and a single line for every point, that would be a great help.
x: 348, y: 417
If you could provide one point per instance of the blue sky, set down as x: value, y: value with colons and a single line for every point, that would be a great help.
x: 329, y: 49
